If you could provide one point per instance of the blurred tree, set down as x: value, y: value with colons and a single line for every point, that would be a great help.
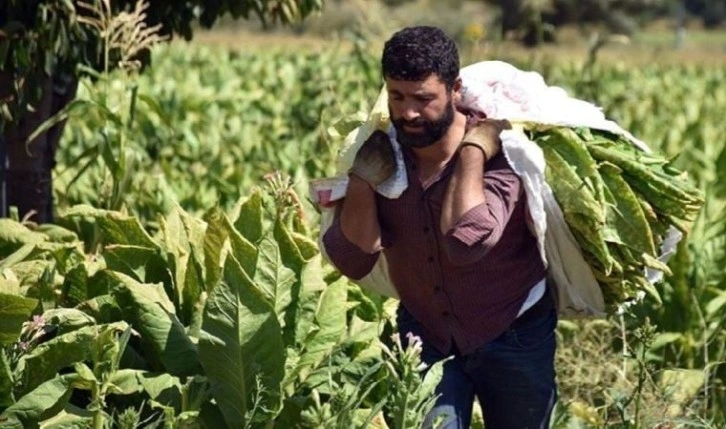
x: 712, y: 12
x: 534, y: 21
x: 42, y: 43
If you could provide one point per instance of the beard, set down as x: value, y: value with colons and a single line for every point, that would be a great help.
x: 432, y: 131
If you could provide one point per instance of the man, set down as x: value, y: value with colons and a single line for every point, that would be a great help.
x: 459, y: 251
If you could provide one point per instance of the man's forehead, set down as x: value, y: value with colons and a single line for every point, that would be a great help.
x: 431, y: 83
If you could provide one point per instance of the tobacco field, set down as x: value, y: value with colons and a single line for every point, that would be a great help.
x: 182, y: 284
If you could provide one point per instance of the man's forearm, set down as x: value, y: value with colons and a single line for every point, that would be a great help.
x: 466, y: 187
x: 359, y: 216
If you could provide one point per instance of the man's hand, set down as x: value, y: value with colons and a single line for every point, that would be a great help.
x: 375, y: 161
x: 485, y: 135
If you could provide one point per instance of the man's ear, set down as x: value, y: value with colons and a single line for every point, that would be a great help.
x: 456, y: 90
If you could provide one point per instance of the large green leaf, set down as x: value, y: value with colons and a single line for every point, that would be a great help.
x: 14, y: 310
x: 57, y: 233
x: 306, y: 302
x: 144, y: 264
x: 102, y: 308
x: 195, y: 230
x: 34, y: 275
x: 44, y: 362
x: 84, y: 281
x: 67, y: 319
x: 193, y: 286
x: 162, y: 387
x: 9, y: 283
x: 17, y: 256
x: 275, y: 279
x: 6, y: 382
x: 249, y: 220
x: 177, y: 249
x: 151, y: 313
x: 43, y: 402
x: 14, y: 235
x: 330, y: 325
x: 68, y: 420
x: 244, y: 251
x: 291, y: 255
x: 215, y: 247
x: 193, y: 298
x: 307, y: 246
x: 117, y: 227
x: 241, y: 342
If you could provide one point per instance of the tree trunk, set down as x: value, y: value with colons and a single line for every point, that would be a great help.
x: 28, y: 178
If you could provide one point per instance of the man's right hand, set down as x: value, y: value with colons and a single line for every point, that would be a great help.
x: 375, y: 161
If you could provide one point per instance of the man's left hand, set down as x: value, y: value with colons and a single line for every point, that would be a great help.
x: 485, y: 135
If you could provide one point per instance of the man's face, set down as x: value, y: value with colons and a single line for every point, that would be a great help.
x: 421, y: 111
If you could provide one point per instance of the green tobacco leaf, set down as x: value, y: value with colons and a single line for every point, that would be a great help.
x: 37, y: 278
x: 117, y: 227
x: 584, y: 215
x: 42, y: 403
x: 241, y: 341
x: 249, y: 220
x: 157, y: 386
x: 431, y: 380
x: 6, y: 382
x: 17, y: 256
x: 143, y: 264
x: 68, y: 420
x: 291, y: 255
x: 151, y: 313
x: 57, y: 233
x: 306, y: 302
x: 629, y: 225
x: 43, y: 362
x: 366, y: 308
x: 330, y: 322
x: 102, y: 308
x: 215, y: 247
x: 9, y: 284
x: 13, y: 235
x: 193, y: 298
x: 177, y: 249
x: 273, y: 277
x: 14, y: 310
x: 195, y: 230
x: 307, y: 247
x: 77, y: 285
x: 243, y: 250
x: 193, y: 287
x: 573, y: 150
x: 67, y: 319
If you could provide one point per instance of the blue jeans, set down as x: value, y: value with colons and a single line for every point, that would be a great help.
x: 513, y: 377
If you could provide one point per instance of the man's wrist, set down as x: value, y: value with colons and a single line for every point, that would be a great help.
x: 474, y: 147
x: 357, y: 182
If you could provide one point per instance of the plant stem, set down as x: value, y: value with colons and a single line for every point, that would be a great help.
x: 98, y: 419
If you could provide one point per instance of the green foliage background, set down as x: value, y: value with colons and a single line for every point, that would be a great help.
x: 205, y: 128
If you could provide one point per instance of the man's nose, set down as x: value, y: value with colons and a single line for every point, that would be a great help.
x: 410, y: 112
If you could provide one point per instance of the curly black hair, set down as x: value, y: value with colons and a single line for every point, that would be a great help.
x: 415, y: 53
